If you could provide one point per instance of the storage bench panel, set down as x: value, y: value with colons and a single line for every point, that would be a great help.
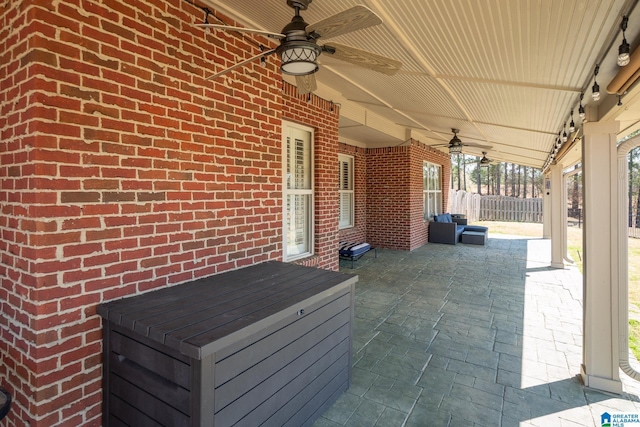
x: 253, y: 409
x: 147, y: 381
x: 268, y: 344
x: 280, y: 367
x: 174, y: 368
x: 299, y: 409
x: 147, y: 402
x: 259, y: 348
x: 319, y: 396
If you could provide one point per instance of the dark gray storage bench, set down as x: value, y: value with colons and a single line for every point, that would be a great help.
x: 266, y: 345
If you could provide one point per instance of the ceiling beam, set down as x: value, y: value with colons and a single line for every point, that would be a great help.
x: 397, y: 29
x: 527, y: 85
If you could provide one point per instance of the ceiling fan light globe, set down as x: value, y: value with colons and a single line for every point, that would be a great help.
x: 299, y: 58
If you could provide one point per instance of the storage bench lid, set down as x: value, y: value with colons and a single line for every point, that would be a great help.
x: 193, y: 316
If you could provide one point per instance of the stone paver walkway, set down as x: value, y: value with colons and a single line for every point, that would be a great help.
x: 470, y: 335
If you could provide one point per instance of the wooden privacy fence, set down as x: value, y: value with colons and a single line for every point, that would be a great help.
x: 501, y: 208
x: 495, y: 208
x: 461, y: 202
x: 634, y: 220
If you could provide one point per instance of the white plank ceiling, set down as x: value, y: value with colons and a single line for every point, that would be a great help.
x: 505, y: 72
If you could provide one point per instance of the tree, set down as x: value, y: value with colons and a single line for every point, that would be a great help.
x: 636, y: 181
x: 458, y: 156
x: 631, y: 166
x: 464, y: 175
x: 506, y: 178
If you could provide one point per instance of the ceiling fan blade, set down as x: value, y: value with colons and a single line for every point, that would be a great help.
x: 242, y: 30
x: 241, y: 63
x: 472, y: 144
x: 356, y: 18
x: 306, y: 84
x: 363, y: 58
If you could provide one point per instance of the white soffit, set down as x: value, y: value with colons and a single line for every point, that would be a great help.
x: 505, y: 72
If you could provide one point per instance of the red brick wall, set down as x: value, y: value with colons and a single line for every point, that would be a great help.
x: 323, y: 117
x: 388, y: 196
x: 124, y: 170
x: 395, y: 194
x: 419, y: 154
x: 357, y: 233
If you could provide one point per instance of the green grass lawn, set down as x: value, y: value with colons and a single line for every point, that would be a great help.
x: 574, y: 248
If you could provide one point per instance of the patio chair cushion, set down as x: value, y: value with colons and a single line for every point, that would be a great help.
x: 445, y: 217
x: 353, y: 249
x: 477, y: 228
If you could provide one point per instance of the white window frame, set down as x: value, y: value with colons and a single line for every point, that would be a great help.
x: 298, y: 243
x: 432, y: 190
x: 346, y: 191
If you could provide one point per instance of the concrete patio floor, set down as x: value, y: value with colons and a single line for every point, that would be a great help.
x: 470, y: 335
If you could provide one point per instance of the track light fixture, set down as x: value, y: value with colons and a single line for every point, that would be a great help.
x: 572, y: 124
x: 624, y: 49
x: 581, y: 113
x: 595, y: 90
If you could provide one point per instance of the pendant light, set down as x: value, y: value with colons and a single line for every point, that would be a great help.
x: 581, y: 113
x: 572, y: 124
x: 595, y: 90
x: 624, y: 49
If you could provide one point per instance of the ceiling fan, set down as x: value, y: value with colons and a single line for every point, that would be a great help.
x: 299, y: 49
x: 482, y: 161
x: 455, y: 144
x: 485, y: 161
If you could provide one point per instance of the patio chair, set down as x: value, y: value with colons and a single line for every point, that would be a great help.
x: 5, y: 402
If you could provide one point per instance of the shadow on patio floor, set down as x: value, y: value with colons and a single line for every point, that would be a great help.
x: 469, y: 335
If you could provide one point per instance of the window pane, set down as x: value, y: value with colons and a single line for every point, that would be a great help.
x: 346, y: 202
x: 425, y: 206
x: 425, y: 176
x: 432, y: 198
x: 345, y: 175
x: 345, y: 191
x: 432, y: 175
x: 297, y: 223
x: 298, y: 164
